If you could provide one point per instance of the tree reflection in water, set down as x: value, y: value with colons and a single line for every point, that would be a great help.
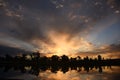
x: 35, y: 70
x: 36, y: 64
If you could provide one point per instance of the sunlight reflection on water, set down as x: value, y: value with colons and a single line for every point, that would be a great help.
x: 108, y: 74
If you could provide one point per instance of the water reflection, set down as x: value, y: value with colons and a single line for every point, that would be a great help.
x: 66, y: 72
x: 36, y: 69
x: 82, y: 75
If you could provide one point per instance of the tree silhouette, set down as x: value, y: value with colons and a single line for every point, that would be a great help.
x: 99, y: 58
x: 55, y: 63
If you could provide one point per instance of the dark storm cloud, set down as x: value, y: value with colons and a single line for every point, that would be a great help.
x: 4, y: 50
x: 115, y: 3
x: 21, y: 24
x: 31, y: 20
x: 61, y: 22
x: 42, y: 5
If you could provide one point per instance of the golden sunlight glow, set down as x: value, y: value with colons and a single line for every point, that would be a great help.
x: 63, y: 44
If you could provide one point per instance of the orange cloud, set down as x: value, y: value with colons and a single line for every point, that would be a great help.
x: 62, y: 44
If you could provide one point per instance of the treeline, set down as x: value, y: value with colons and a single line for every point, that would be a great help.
x: 36, y: 59
x: 54, y: 63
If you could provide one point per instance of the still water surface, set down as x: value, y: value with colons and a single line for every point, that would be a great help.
x: 103, y: 73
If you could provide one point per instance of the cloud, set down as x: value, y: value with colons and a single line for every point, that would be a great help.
x: 32, y: 22
x: 4, y: 50
x: 28, y: 25
x: 107, y: 51
x: 111, y: 48
x: 42, y: 21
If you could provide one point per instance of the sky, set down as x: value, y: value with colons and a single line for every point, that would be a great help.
x: 58, y: 27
